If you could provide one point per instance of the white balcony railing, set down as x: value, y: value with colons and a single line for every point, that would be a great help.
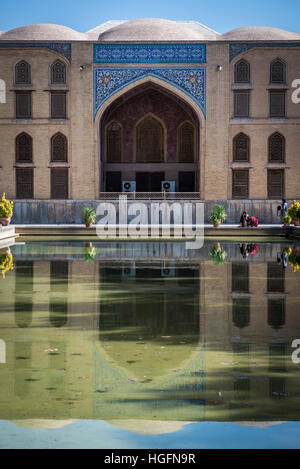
x: 151, y: 195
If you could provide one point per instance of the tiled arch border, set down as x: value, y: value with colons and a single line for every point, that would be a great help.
x: 122, y: 90
x: 191, y: 81
x: 236, y: 49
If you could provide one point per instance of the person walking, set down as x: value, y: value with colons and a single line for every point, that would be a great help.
x: 284, y: 208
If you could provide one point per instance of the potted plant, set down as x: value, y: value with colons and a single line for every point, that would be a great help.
x: 287, y: 220
x: 88, y: 216
x: 294, y: 258
x: 90, y: 252
x: 294, y: 212
x: 217, y: 254
x: 6, y: 261
x: 217, y: 215
x: 6, y: 211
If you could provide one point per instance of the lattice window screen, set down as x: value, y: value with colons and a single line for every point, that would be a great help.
x: 241, y: 147
x: 59, y: 183
x: 276, y: 148
x: 23, y: 105
x: 278, y: 72
x: 59, y: 148
x: 24, y: 148
x: 58, y: 105
x: 22, y: 73
x: 240, y: 183
x: 114, y: 143
x: 277, y: 103
x: 149, y: 141
x: 242, y: 72
x: 186, y: 143
x: 276, y: 183
x: 24, y: 183
x: 241, y: 103
x: 58, y: 73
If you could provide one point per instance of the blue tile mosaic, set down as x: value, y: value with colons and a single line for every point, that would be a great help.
x: 190, y: 80
x: 149, y: 53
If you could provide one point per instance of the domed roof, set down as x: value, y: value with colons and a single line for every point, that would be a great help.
x: 42, y: 32
x: 155, y: 29
x: 259, y: 33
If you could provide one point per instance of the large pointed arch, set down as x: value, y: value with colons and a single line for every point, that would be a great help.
x: 99, y: 143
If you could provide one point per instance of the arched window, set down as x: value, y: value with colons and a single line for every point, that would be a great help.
x: 241, y: 147
x: 59, y: 148
x: 23, y: 148
x: 58, y: 73
x: 114, y: 143
x: 2, y: 92
x: 278, y: 71
x: 186, y: 143
x: 2, y: 351
x: 22, y: 73
x: 242, y: 72
x: 58, y: 312
x: 276, y: 312
x: 276, y: 148
x: 149, y: 141
x: 241, y: 312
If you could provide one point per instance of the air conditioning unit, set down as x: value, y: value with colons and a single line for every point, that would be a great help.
x: 128, y: 272
x: 128, y: 186
x: 168, y: 186
x: 168, y: 272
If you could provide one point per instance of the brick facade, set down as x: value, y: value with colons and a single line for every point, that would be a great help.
x: 169, y: 100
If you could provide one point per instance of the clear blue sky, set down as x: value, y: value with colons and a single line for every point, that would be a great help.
x: 221, y: 15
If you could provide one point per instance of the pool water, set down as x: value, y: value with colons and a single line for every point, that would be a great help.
x: 149, y: 336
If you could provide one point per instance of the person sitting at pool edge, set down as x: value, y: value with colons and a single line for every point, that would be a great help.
x: 244, y: 220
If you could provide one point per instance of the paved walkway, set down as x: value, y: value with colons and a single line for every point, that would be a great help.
x: 209, y: 230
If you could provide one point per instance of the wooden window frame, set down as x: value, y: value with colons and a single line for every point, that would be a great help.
x: 241, y: 92
x: 275, y: 278
x: 236, y: 65
x: 17, y: 148
x: 283, y: 82
x: 246, y: 171
x: 279, y: 196
x: 240, y: 275
x: 20, y: 83
x: 52, y: 82
x: 18, y: 172
x: 29, y: 114
x: 56, y: 93
x: 56, y: 170
x: 234, y: 148
x: 270, y: 149
x: 52, y: 160
x: 277, y: 116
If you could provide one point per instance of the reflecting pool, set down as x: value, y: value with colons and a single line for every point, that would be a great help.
x: 149, y: 337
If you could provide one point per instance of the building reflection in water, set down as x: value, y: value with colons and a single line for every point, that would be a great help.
x: 59, y: 280
x: 151, y: 299
x: 23, y: 293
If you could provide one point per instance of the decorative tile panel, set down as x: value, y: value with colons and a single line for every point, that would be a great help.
x: 61, y: 48
x: 190, y: 80
x: 149, y: 53
x: 239, y: 48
